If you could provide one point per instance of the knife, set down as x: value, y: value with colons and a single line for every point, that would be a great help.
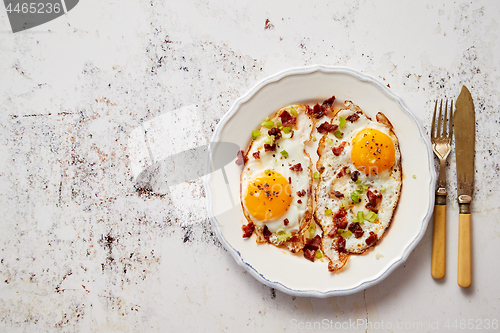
x: 465, y: 138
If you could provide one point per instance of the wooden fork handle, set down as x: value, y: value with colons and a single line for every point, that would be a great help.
x: 464, y: 251
x: 438, y: 264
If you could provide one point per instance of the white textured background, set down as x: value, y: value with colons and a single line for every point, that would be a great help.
x: 82, y: 250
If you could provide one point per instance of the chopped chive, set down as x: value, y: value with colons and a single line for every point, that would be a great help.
x: 269, y: 139
x: 342, y: 122
x: 279, y: 125
x: 314, y: 138
x: 414, y: 176
x: 293, y: 112
x: 312, y: 230
x: 328, y: 212
x: 338, y: 134
x: 255, y: 134
x: 355, y: 196
x: 382, y: 188
x: 316, y: 175
x: 282, y: 236
x: 268, y: 124
x: 361, y: 188
x: 346, y: 234
x: 339, y: 231
x: 319, y: 255
x: 358, y: 182
x: 371, y: 217
x: 344, y: 203
x: 330, y: 141
x: 360, y: 216
x: 287, y: 129
x: 284, y: 153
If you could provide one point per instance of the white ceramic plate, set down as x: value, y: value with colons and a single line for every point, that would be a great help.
x: 293, y: 274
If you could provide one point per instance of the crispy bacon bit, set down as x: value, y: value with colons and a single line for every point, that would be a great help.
x: 340, y: 220
x: 289, y: 180
x: 301, y: 193
x: 341, y: 244
x: 276, y: 132
x: 332, y: 232
x: 342, y: 172
x: 316, y: 112
x: 327, y: 127
x: 266, y: 232
x: 353, y: 117
x: 286, y: 221
x: 296, y: 167
x: 354, y: 175
x: 268, y: 147
x: 371, y: 239
x: 327, y: 105
x: 241, y: 158
x: 356, y: 229
x: 309, y: 254
x: 287, y: 119
x: 338, y: 194
x: 312, y: 245
x: 338, y: 150
x: 256, y: 155
x: 248, y: 229
x: 373, y: 201
x: 299, y: 201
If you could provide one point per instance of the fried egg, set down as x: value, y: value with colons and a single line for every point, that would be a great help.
x: 276, y: 179
x: 360, y: 184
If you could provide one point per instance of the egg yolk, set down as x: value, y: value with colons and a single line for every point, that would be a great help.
x: 372, y: 151
x: 268, y: 196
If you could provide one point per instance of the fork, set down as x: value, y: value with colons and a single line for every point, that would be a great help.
x: 441, y: 134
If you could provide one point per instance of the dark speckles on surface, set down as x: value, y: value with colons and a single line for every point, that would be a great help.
x: 107, y: 242
x: 273, y: 293
x: 210, y: 237
x: 187, y: 233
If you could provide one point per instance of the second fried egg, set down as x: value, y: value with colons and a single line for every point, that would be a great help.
x: 360, y: 165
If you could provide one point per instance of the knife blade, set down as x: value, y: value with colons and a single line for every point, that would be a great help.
x: 465, y: 139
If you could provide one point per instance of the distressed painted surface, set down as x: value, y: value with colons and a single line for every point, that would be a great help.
x: 83, y: 248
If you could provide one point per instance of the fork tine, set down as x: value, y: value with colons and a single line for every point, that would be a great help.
x: 450, y: 132
x: 445, y: 120
x: 434, y: 121
x: 438, y: 132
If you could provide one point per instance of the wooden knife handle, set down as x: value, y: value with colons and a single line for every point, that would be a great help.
x: 438, y: 264
x: 464, y: 251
